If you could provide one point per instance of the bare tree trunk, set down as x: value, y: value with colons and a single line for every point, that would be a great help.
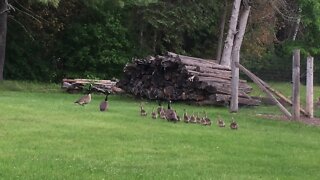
x: 221, y: 36
x: 226, y: 56
x: 296, y: 29
x: 3, y: 33
x: 235, y: 59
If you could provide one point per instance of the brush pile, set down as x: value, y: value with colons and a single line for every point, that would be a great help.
x: 182, y: 78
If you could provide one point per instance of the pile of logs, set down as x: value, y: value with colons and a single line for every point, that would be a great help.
x: 77, y: 85
x: 182, y: 78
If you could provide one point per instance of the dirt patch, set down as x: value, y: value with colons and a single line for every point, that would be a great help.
x: 305, y: 120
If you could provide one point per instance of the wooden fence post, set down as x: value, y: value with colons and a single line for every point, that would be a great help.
x: 309, y: 91
x: 296, y: 84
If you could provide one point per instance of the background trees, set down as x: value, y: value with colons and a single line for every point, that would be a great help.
x: 96, y: 38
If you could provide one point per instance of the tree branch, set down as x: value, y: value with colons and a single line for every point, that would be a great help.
x: 23, y: 27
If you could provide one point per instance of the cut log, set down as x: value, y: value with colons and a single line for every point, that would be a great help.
x: 179, y: 77
x: 77, y: 85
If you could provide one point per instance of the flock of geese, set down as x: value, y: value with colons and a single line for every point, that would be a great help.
x: 168, y: 114
x: 171, y: 115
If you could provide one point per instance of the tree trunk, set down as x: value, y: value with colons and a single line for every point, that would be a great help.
x: 236, y: 57
x: 226, y: 56
x: 222, y: 24
x: 3, y: 34
x: 296, y: 29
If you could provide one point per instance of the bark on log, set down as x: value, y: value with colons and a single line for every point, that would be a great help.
x: 179, y: 77
x: 77, y: 85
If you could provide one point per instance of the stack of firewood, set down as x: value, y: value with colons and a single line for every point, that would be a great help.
x: 77, y: 85
x: 179, y: 77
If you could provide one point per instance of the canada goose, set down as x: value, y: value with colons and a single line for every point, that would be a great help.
x: 207, y: 119
x: 171, y: 114
x: 86, y: 99
x: 162, y: 114
x: 154, y: 114
x: 233, y: 124
x: 186, y: 118
x: 104, y: 105
x: 142, y: 111
x: 203, y: 120
x: 208, y: 123
x: 198, y: 118
x: 178, y: 117
x: 220, y: 122
x: 193, y: 118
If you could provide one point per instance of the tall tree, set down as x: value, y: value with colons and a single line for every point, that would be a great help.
x: 3, y: 33
x: 5, y: 7
x: 222, y: 25
x: 226, y: 56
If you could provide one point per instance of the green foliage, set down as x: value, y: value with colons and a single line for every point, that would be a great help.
x: 95, y: 38
x: 308, y: 39
x: 181, y: 26
x: 67, y: 44
x: 99, y: 49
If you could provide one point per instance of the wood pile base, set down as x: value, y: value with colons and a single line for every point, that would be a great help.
x: 182, y: 78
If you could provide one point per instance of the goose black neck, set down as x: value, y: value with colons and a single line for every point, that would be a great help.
x: 106, y: 99
x: 169, y: 104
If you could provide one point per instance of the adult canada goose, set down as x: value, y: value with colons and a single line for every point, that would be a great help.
x: 171, y: 114
x: 220, y: 122
x: 186, y: 118
x: 233, y: 124
x: 142, y: 111
x: 154, y: 114
x: 104, y: 105
x: 86, y: 99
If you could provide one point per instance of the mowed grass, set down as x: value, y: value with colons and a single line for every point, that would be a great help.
x: 44, y: 135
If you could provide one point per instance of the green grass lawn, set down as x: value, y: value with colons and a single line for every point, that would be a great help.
x: 44, y: 135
